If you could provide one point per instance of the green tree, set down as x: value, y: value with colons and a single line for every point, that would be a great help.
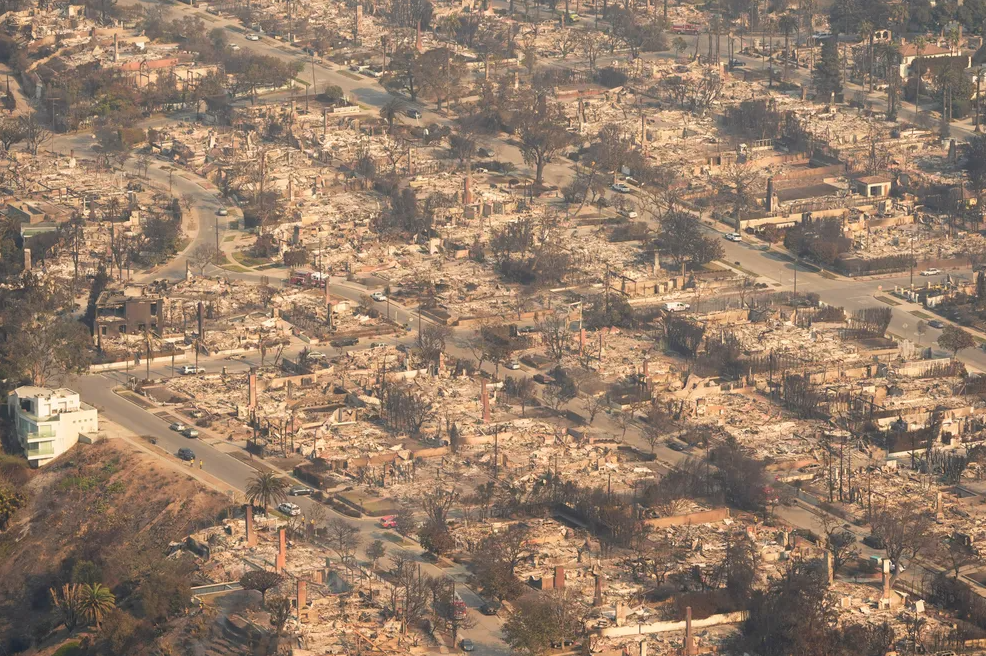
x: 975, y: 163
x: 682, y: 240
x: 39, y: 337
x: 955, y: 339
x: 268, y: 489
x: 402, y: 74
x: 166, y: 591
x: 95, y: 601
x: 85, y: 572
x: 10, y: 502
x: 541, y: 132
x: 538, y: 620
x: 679, y: 45
x: 828, y: 75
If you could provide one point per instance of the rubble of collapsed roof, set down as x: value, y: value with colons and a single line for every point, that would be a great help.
x: 358, y: 300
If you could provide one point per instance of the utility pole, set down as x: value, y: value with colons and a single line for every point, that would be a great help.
x: 911, y: 239
x: 496, y: 452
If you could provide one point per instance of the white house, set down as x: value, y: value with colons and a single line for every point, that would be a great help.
x: 49, y: 421
x: 909, y: 53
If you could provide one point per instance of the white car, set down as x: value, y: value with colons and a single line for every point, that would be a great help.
x: 628, y: 213
x: 931, y: 272
x: 192, y: 369
x: 223, y: 211
x: 289, y: 509
x: 253, y: 37
x: 316, y: 355
x: 378, y: 297
x: 621, y: 188
x: 676, y: 306
x: 513, y: 366
x: 234, y: 46
x: 734, y: 236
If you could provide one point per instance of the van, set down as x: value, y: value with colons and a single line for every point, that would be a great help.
x: 676, y: 306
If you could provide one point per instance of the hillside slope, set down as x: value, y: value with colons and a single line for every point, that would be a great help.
x: 108, y: 509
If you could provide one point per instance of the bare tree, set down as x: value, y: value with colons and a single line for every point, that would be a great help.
x: 35, y: 133
x: 203, y: 255
x: 905, y: 530
x: 554, y: 334
x: 344, y: 539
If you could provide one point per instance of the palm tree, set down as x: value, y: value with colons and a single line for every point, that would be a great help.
x: 391, y: 112
x: 919, y: 44
x: 66, y: 602
x: 787, y: 23
x: 868, y: 32
x: 267, y: 488
x: 95, y: 601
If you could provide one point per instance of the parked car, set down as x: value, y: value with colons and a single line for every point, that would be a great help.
x: 346, y: 341
x: 316, y: 355
x: 733, y: 236
x: 223, y: 211
x: 490, y: 608
x: 931, y: 272
x: 289, y: 509
x: 513, y: 365
x: 414, y: 113
x: 301, y: 491
x: 937, y: 323
x: 190, y: 433
x: 379, y: 297
x: 177, y: 427
x: 627, y: 212
x: 253, y: 37
x: 467, y: 644
x: 192, y: 369
x: 484, y: 152
x: 676, y: 306
x: 185, y: 454
x: 621, y: 188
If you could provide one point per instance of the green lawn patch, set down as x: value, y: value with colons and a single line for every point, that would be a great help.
x: 350, y: 75
x: 730, y: 265
x: 887, y: 300
x: 921, y: 315
x: 248, y: 260
x: 69, y: 649
x: 229, y: 238
x: 829, y: 275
